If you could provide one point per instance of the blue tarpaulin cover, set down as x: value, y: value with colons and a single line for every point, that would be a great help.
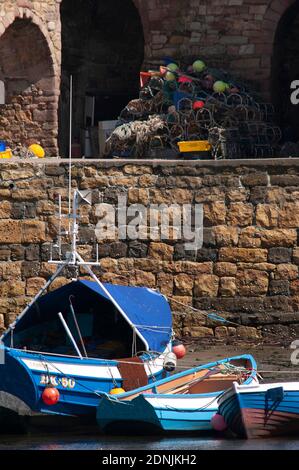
x: 148, y: 310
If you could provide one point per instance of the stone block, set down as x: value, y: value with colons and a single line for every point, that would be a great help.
x: 206, y: 285
x: 250, y: 255
x: 183, y: 284
x: 225, y: 235
x: 252, y: 283
x: 214, y: 213
x: 267, y: 215
x: 161, y: 251
x: 280, y: 255
x: 279, y: 237
x: 228, y: 287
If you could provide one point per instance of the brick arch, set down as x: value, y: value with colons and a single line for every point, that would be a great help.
x: 27, y: 14
x: 274, y: 13
x: 30, y: 74
x: 144, y: 17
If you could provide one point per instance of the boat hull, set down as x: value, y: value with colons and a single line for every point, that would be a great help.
x: 146, y: 413
x: 153, y: 407
x: 25, y: 376
x: 263, y: 411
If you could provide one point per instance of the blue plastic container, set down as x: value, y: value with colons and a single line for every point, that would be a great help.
x: 2, y: 146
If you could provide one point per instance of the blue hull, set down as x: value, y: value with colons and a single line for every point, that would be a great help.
x: 140, y: 415
x: 79, y: 382
x: 264, y: 413
x: 150, y: 409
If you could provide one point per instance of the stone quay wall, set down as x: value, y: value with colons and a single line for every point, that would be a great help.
x: 247, y: 268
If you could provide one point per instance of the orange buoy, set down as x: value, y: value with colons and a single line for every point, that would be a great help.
x: 50, y: 396
x: 178, y: 349
x: 117, y: 391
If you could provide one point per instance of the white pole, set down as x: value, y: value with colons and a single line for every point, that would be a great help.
x: 112, y: 299
x: 70, y: 145
x: 68, y: 332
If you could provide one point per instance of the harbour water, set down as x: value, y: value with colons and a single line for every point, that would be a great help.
x: 146, y: 443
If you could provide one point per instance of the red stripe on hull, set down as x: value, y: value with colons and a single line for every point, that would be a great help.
x: 259, y: 423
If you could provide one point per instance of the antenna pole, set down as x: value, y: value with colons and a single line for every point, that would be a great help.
x: 70, y: 145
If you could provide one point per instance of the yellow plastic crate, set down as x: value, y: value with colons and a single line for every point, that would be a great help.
x: 195, y: 146
x: 6, y: 154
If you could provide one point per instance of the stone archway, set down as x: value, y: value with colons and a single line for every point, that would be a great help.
x: 285, y: 69
x: 29, y: 113
x: 103, y: 48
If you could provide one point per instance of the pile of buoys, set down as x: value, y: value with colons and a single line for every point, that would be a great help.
x: 33, y: 151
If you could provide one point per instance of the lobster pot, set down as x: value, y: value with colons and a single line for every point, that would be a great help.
x: 226, y: 142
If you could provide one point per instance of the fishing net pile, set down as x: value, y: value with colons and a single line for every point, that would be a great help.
x: 195, y: 103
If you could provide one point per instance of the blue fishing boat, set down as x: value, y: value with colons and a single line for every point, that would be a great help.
x: 265, y: 410
x: 186, y: 401
x: 81, y: 339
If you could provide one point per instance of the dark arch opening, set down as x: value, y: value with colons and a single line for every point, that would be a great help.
x: 103, y: 48
x: 29, y: 113
x: 285, y: 69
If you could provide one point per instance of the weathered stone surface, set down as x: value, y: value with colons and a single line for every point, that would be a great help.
x: 10, y: 231
x: 250, y: 333
x: 252, y: 283
x: 250, y: 255
x: 240, y: 214
x: 280, y: 255
x: 228, y: 287
x: 183, y: 284
x: 59, y: 282
x: 250, y: 237
x: 286, y: 272
x: 10, y: 270
x: 5, y: 209
x: 226, y: 236
x: 33, y: 231
x: 214, y: 213
x: 221, y: 332
x: 289, y: 216
x: 296, y: 256
x: 279, y: 237
x: 12, y: 288
x: 165, y: 283
x: 198, y: 332
x: 161, y: 251
x: 206, y: 285
x: 142, y: 279
x: 137, y: 250
x: 138, y: 196
x: 267, y: 215
x: 190, y: 267
x: 222, y: 269
x: 33, y: 285
x: 255, y: 179
x: 280, y: 287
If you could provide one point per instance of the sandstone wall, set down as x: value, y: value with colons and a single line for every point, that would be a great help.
x: 247, y: 267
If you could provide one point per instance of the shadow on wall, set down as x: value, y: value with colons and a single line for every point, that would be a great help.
x: 103, y: 47
x: 285, y: 69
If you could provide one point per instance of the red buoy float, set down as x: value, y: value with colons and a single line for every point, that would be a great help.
x: 50, y: 396
x: 218, y: 423
x: 199, y: 104
x: 178, y: 349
